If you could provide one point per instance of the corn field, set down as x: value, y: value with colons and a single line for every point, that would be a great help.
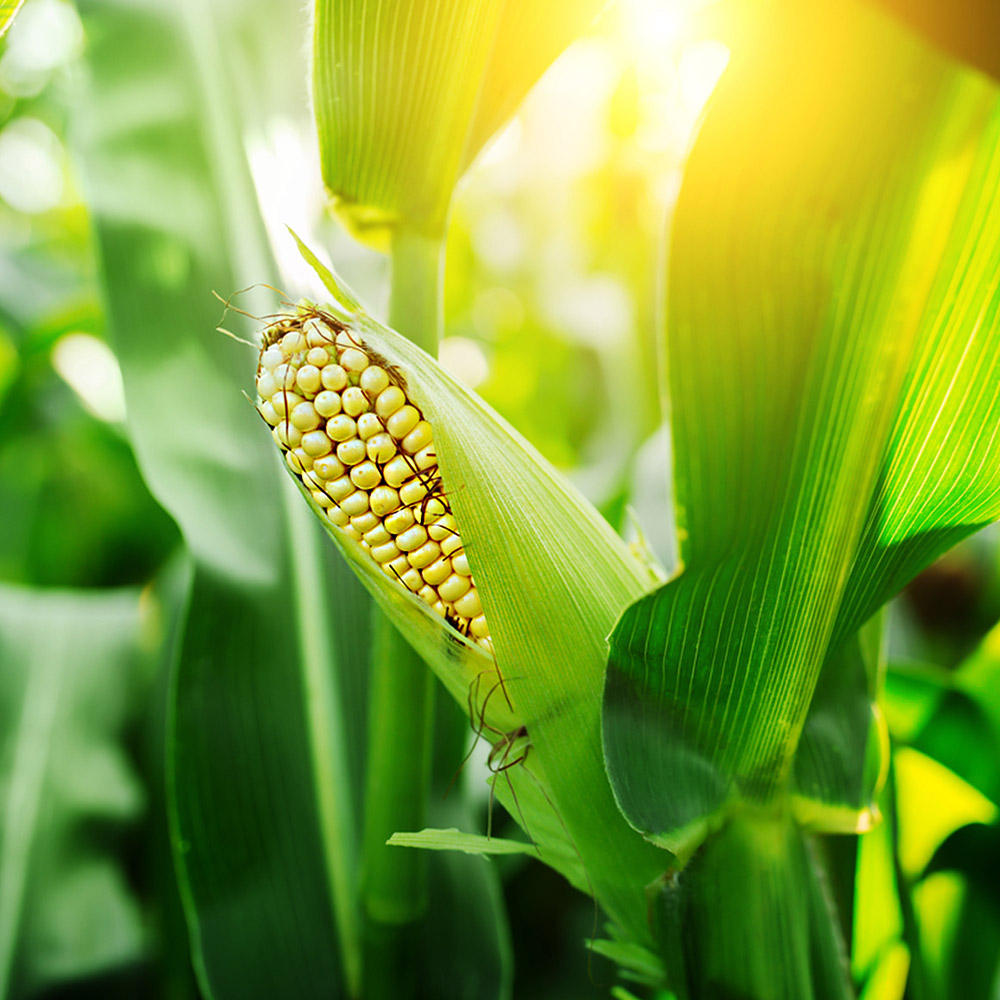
x: 498, y: 500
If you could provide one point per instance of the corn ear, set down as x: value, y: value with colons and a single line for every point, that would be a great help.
x: 364, y: 456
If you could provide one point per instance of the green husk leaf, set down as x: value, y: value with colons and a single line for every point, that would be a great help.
x: 553, y: 577
x: 345, y: 305
x: 832, y: 329
x: 466, y: 669
x: 405, y: 96
x: 455, y: 840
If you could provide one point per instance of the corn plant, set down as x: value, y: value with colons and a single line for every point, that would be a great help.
x: 756, y: 788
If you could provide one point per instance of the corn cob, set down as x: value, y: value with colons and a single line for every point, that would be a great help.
x: 349, y: 431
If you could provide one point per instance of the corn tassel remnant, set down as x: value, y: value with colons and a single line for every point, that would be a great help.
x: 349, y: 431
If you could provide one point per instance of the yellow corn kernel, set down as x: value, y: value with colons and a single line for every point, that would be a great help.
x: 381, y: 448
x: 389, y: 401
x: 327, y: 404
x: 398, y: 471
x: 412, y: 538
x: 365, y: 522
x: 351, y: 452
x: 384, y: 500
x: 453, y: 588
x: 438, y: 572
x: 403, y: 421
x: 365, y: 476
x: 374, y: 380
x: 418, y: 438
x: 308, y: 379
x: 468, y: 606
x: 422, y: 557
x: 399, y: 520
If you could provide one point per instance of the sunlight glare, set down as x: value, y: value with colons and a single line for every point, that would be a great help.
x: 88, y: 366
x: 31, y: 166
x: 701, y: 65
x: 465, y: 359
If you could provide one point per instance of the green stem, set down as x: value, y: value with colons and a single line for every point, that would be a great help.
x: 400, y: 739
x: 416, y: 302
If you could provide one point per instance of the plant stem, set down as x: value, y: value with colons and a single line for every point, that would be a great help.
x: 400, y: 740
x: 416, y: 301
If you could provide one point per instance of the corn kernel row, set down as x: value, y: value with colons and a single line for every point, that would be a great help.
x: 349, y: 431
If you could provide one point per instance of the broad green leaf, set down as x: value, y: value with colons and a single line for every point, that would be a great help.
x: 8, y: 8
x: 68, y: 691
x: 455, y: 840
x: 259, y: 765
x: 406, y: 94
x: 832, y: 333
x: 553, y: 578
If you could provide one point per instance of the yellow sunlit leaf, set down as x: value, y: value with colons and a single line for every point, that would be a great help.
x: 933, y: 802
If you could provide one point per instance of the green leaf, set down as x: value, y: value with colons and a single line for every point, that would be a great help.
x: 66, y: 696
x: 878, y: 923
x: 464, y: 938
x: 932, y: 802
x: 8, y: 8
x: 770, y: 937
x: 979, y: 678
x: 888, y: 978
x: 527, y: 38
x: 832, y: 332
x: 637, y: 963
x: 406, y: 94
x: 971, y: 965
x: 913, y: 692
x: 455, y: 840
x: 260, y: 770
x: 553, y: 577
x: 843, y: 752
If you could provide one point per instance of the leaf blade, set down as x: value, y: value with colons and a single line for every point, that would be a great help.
x: 255, y: 814
x: 62, y: 650
x: 817, y: 274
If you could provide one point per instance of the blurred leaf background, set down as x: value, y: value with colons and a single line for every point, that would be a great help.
x: 552, y: 265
